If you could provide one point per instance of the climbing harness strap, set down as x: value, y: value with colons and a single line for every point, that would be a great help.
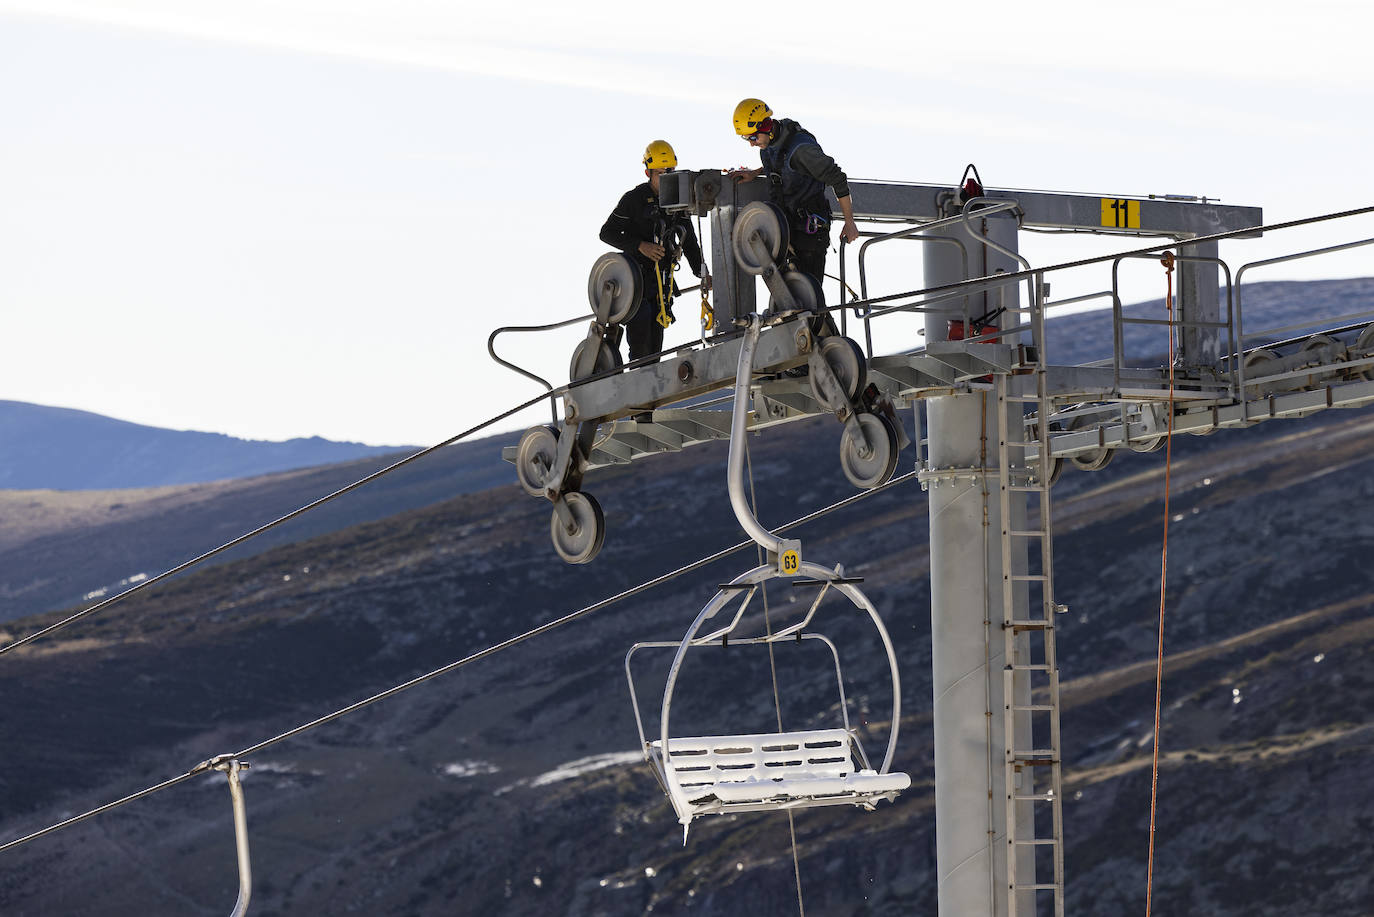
x: 664, y: 317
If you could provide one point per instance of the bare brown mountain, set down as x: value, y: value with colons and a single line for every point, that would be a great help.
x: 507, y: 787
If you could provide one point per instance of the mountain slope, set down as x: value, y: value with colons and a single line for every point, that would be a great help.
x: 62, y: 548
x: 457, y: 797
x: 48, y: 448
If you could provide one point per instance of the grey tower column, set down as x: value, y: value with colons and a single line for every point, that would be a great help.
x: 966, y: 606
x: 1199, y: 301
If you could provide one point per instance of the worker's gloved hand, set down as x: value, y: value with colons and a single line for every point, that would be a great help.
x: 651, y: 250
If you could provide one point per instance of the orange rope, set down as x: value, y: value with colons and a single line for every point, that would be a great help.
x: 1168, y: 262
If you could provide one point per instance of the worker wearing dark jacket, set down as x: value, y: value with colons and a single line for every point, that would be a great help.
x: 654, y: 239
x: 799, y: 171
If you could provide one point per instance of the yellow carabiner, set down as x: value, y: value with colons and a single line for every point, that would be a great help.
x: 708, y: 318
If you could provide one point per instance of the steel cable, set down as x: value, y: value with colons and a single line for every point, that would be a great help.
x: 166, y: 574
x: 459, y: 663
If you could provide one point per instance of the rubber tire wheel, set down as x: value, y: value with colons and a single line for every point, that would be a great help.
x: 878, y: 468
x: 620, y: 269
x: 846, y: 361
x: 534, y: 458
x: 581, y: 546
x: 607, y: 359
x: 768, y: 220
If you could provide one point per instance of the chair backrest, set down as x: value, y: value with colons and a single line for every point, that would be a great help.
x: 699, y: 761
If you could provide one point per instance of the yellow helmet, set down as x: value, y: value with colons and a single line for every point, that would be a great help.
x: 660, y: 155
x: 749, y: 114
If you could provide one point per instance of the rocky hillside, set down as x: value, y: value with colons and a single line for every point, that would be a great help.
x: 63, y: 548
x: 511, y: 785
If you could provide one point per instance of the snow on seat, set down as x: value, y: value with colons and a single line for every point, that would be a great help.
x: 771, y: 771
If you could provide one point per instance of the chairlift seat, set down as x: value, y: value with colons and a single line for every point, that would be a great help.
x: 717, y: 774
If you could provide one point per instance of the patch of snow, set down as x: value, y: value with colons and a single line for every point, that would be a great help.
x: 586, y: 766
x: 468, y: 769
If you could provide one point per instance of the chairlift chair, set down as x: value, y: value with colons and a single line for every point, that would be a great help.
x: 705, y: 775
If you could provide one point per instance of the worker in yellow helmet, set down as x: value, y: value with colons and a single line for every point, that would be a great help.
x: 655, y: 239
x: 799, y: 171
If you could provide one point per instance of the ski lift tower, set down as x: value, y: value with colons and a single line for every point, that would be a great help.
x: 995, y: 676
x: 996, y: 711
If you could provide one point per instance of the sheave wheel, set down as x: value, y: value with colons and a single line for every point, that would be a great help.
x: 767, y: 220
x: 614, y: 287
x: 607, y: 358
x: 534, y: 459
x: 1256, y: 362
x: 846, y: 361
x: 1056, y: 463
x: 1331, y: 347
x: 867, y: 466
x: 804, y: 289
x: 1094, y: 459
x: 1364, y: 347
x: 580, y: 543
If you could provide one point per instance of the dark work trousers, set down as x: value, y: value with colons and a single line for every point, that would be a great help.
x: 643, y: 332
x: 808, y: 254
x: 809, y: 258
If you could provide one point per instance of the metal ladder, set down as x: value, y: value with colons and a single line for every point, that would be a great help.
x: 1032, y: 759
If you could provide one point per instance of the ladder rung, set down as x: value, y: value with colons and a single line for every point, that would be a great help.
x: 1037, y: 842
x: 1030, y: 667
x: 1029, y: 578
x: 1042, y: 708
x: 1027, y: 753
x: 1028, y: 624
x: 1038, y: 886
x: 1033, y: 797
x: 1029, y: 533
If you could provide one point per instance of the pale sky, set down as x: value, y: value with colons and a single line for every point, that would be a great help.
x: 304, y: 217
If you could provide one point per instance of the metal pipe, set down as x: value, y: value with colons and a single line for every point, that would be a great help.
x: 231, y: 768
x: 738, y: 424
x: 491, y: 351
